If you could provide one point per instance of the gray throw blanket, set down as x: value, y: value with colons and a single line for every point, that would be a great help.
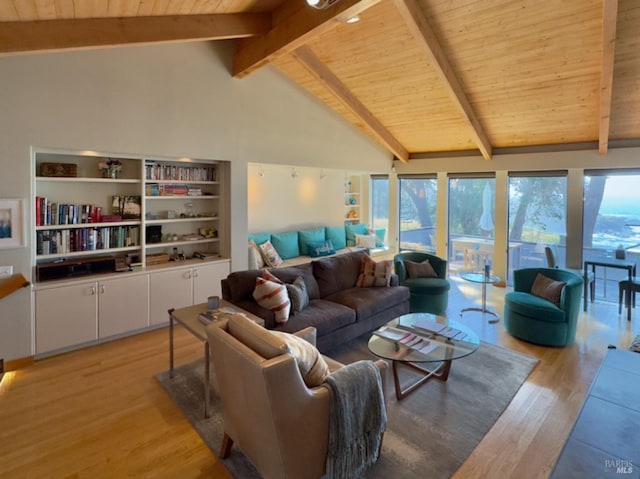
x: 357, y: 419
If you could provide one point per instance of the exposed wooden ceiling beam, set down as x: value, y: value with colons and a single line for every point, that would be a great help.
x: 419, y: 27
x: 19, y: 37
x: 609, y: 20
x: 306, y: 57
x: 293, y: 31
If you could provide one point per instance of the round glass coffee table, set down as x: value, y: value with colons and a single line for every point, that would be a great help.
x: 417, y: 338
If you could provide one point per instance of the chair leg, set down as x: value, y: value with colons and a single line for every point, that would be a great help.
x: 627, y: 302
x: 620, y: 294
x: 227, y: 443
x: 592, y: 287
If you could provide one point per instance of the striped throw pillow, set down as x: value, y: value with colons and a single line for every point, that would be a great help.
x: 374, y: 274
x: 273, y: 295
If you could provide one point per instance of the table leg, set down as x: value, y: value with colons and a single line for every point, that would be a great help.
x: 441, y: 373
x: 207, y: 365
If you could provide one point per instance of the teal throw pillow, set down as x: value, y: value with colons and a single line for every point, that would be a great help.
x: 337, y: 235
x: 286, y: 244
x: 353, y: 230
x: 320, y: 248
x: 260, y: 238
x: 380, y: 233
x: 306, y: 236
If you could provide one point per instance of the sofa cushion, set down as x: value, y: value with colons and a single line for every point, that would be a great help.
x: 374, y: 274
x: 255, y: 255
x: 337, y: 272
x: 533, y: 306
x: 325, y: 316
x: 240, y: 284
x: 426, y: 286
x: 286, y: 244
x: 307, y: 236
x: 270, y: 255
x: 297, y: 295
x: 337, y: 235
x: 420, y: 270
x: 289, y: 274
x: 352, y: 230
x: 312, y: 366
x: 547, y: 288
x: 272, y: 295
x: 367, y: 302
x: 317, y: 249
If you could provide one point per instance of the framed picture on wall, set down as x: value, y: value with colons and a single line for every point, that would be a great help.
x: 11, y: 223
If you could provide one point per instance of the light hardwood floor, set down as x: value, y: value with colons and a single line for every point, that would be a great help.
x: 99, y: 412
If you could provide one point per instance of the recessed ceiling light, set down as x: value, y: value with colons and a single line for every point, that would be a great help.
x: 354, y: 19
x: 321, y: 4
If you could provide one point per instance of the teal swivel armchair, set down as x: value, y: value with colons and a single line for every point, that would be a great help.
x: 428, y: 295
x: 537, y: 320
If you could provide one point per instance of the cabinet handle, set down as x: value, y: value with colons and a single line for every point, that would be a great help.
x: 195, y: 273
x: 93, y: 290
x: 187, y: 275
x: 102, y: 289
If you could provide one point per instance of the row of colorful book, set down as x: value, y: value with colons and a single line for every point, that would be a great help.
x: 52, y: 213
x: 161, y: 171
x: 86, y: 239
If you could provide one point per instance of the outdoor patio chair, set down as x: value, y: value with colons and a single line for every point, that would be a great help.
x: 551, y: 254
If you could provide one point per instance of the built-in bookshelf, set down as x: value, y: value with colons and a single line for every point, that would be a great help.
x: 130, y: 207
x: 352, y: 200
x: 119, y: 240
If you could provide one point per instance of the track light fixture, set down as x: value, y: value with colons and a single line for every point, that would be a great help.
x: 321, y: 4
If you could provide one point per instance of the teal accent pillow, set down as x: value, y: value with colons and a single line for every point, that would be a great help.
x: 286, y: 244
x: 353, y: 230
x: 260, y: 238
x: 337, y: 236
x: 380, y: 232
x: 320, y: 248
x: 306, y: 236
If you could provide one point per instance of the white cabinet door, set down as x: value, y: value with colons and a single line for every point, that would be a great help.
x: 168, y: 289
x: 123, y: 305
x: 66, y: 316
x: 206, y: 280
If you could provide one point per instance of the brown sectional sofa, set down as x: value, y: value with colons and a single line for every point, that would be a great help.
x: 338, y: 309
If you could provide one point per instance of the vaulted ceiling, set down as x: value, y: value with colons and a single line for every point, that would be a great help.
x: 419, y: 76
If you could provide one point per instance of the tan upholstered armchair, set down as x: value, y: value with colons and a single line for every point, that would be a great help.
x: 269, y: 413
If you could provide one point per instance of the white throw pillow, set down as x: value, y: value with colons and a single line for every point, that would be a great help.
x: 366, y: 241
x: 270, y: 255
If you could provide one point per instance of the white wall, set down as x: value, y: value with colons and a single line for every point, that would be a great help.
x: 279, y: 202
x: 163, y: 100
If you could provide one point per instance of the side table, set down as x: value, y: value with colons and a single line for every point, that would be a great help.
x: 189, y: 318
x: 476, y: 277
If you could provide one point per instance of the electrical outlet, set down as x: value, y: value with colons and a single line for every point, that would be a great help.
x: 6, y: 271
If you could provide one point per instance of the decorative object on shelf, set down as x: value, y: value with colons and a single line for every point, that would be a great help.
x: 154, y: 233
x: 68, y: 170
x: 110, y: 169
x: 11, y: 225
x: 126, y: 206
x: 159, y: 258
x: 352, y: 201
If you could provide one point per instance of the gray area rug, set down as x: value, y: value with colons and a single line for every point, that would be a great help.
x: 430, y: 433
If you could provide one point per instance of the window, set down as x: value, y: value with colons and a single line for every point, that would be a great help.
x: 380, y: 204
x: 471, y: 222
x: 611, y: 223
x: 418, y: 213
x: 537, y: 219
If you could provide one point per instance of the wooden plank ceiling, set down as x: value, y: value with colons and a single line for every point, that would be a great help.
x: 418, y: 76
